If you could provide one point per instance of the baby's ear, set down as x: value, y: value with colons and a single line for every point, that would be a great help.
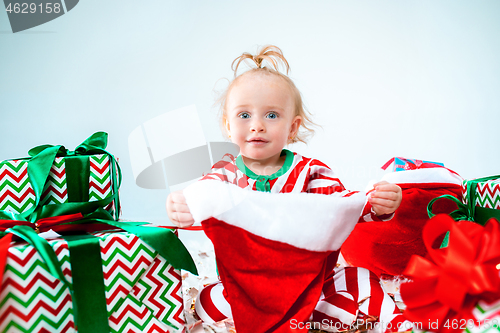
x: 296, y: 124
x: 225, y: 122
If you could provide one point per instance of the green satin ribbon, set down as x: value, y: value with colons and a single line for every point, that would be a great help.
x: 76, y: 207
x: 38, y: 172
x: 462, y: 213
x: 469, y: 211
x: 163, y: 240
x: 77, y: 177
x: 89, y: 301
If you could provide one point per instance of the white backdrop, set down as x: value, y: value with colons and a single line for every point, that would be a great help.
x: 418, y: 79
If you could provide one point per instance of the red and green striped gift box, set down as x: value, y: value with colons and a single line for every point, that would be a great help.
x: 17, y: 194
x: 482, y: 197
x: 486, y: 318
x: 142, y: 290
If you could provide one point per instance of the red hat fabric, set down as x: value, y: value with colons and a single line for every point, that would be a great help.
x: 271, y: 249
x: 386, y: 247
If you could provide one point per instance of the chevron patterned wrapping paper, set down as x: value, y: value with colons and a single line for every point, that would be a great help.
x: 17, y: 195
x: 143, y: 291
x: 487, y: 193
x: 486, y: 320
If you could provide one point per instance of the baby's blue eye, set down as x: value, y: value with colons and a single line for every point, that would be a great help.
x: 244, y: 115
x: 272, y: 115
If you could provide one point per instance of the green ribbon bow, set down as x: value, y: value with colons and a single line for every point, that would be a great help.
x: 469, y: 211
x: 77, y: 172
x: 462, y: 213
x: 76, y: 161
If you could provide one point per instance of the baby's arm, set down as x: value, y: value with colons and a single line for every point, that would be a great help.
x: 178, y: 211
x: 386, y: 198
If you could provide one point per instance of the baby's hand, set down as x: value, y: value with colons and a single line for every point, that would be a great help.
x: 178, y: 211
x: 386, y: 198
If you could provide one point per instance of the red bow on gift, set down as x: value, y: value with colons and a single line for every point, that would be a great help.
x: 448, y: 284
x: 58, y: 224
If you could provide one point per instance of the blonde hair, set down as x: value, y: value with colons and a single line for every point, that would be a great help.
x: 274, y: 56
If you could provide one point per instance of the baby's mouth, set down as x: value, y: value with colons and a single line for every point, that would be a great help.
x: 257, y: 141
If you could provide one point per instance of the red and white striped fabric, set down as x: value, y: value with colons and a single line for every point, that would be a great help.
x: 304, y: 175
x: 211, y: 305
x: 353, y: 294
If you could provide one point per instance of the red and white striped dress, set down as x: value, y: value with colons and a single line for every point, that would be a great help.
x: 348, y: 293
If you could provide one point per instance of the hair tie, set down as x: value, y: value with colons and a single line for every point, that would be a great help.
x: 257, y: 60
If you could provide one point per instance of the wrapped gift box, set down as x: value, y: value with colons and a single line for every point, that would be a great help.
x: 486, y: 319
x: 17, y: 194
x: 402, y: 164
x: 480, y: 202
x: 485, y: 196
x: 142, y: 290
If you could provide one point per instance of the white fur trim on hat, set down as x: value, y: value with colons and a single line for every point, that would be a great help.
x: 428, y: 175
x: 313, y: 222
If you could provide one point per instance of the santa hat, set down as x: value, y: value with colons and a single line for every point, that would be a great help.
x: 271, y: 249
x: 387, y: 247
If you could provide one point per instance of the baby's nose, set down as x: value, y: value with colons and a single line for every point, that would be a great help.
x: 257, y: 126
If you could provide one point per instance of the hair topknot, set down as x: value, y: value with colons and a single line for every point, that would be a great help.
x: 270, y: 53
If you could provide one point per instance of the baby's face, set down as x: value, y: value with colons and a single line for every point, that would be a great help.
x: 260, y: 116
